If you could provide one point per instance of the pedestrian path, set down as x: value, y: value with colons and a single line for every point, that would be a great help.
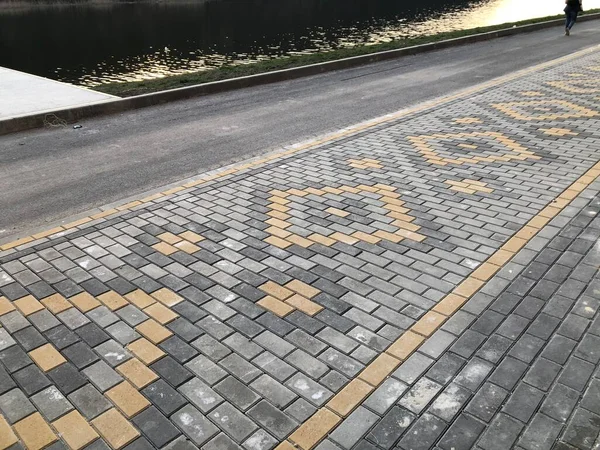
x: 23, y: 94
x: 428, y: 280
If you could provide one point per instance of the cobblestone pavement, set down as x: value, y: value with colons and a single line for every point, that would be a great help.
x: 428, y: 282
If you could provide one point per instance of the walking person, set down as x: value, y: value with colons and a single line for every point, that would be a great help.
x: 573, y: 8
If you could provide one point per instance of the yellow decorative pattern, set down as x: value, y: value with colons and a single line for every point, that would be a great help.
x: 544, y: 107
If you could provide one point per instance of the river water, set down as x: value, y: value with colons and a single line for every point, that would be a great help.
x: 88, y: 44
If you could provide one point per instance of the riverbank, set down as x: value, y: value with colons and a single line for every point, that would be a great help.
x: 227, y: 72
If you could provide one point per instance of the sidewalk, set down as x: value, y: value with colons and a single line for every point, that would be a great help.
x: 25, y: 94
x: 429, y: 280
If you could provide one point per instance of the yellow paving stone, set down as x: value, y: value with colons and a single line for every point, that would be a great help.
x: 405, y: 345
x: 56, y: 303
x: 378, y: 370
x: 280, y: 208
x: 278, y: 223
x: 277, y: 242
x: 47, y: 357
x: 527, y: 232
x: 396, y: 208
x: 35, y: 432
x: 191, y: 236
x: 337, y: 212
x: 311, y: 432
x: 47, y: 233
x: 279, y: 215
x: 305, y: 305
x: 153, y: 331
x: 392, y: 237
x: 410, y: 235
x: 332, y: 190
x: 485, y: 271
x: 350, y: 189
x: 115, y: 429
x: 146, y: 351
x: 112, y: 300
x: 468, y: 287
x: 275, y: 231
x: 167, y: 297
x: 361, y: 236
x: 75, y: 430
x: 391, y: 201
x: 320, y: 239
x: 7, y: 437
x: 364, y: 187
x: 16, y: 243
x: 299, y: 240
x: 275, y: 290
x: 500, y: 258
x: 187, y: 247
x: 84, y: 302
x: 427, y: 324
x: 164, y: 248
x: 385, y: 187
x: 538, y: 222
x: 514, y: 244
x: 302, y: 288
x: 285, y: 445
x: 5, y: 306
x: 28, y: 305
x: 137, y: 373
x: 298, y: 193
x: 161, y: 313
x: 314, y: 191
x: 549, y: 212
x: 140, y: 299
x: 278, y: 200
x: 406, y: 225
x: 349, y: 397
x: 169, y: 238
x: 341, y: 237
x: 278, y: 193
x: 450, y: 304
x: 127, y: 399
x: 277, y: 307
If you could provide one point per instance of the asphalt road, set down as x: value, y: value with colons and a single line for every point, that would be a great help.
x: 49, y: 175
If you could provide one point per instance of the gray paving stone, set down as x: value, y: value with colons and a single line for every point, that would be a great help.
x: 273, y: 391
x: 450, y: 402
x: 206, y: 369
x: 582, y: 429
x: 300, y: 410
x: 202, y: 396
x: 51, y: 403
x: 102, y: 376
x: 423, y: 433
x: 168, y: 400
x: 113, y: 353
x: 354, y: 427
x: 387, y: 431
x: 309, y: 389
x: 236, y: 392
x: 541, y: 433
x: 6, y: 339
x: 89, y: 402
x: 419, y: 396
x: 15, y: 405
x: 523, y: 403
x: 156, y: 427
x: 233, y: 422
x: 463, y: 433
x: 221, y: 442
x: 238, y: 366
x: 412, y: 369
x: 196, y: 427
x: 271, y: 418
x: 501, y: 434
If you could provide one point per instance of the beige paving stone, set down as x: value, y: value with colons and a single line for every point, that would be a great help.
x: 350, y: 397
x: 28, y: 305
x: 115, y: 429
x: 75, y: 430
x: 167, y: 297
x: 127, y: 399
x: 153, y: 331
x: 47, y: 357
x: 56, y: 303
x: 7, y: 437
x: 137, y: 373
x: 84, y: 302
x: 35, y: 432
x: 146, y: 351
x: 112, y: 300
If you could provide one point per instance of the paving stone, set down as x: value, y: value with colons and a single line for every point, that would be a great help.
x: 233, y: 422
x: 260, y: 440
x: 67, y: 378
x: 236, y: 392
x: 80, y: 354
x: 201, y: 395
x: 309, y: 389
x: 541, y: 434
x: 196, y: 427
x: 502, y: 432
x: 31, y: 379
x: 582, y: 429
x: 419, y: 396
x: 89, y: 401
x: 167, y: 399
x: 354, y: 427
x: 171, y: 371
x: 156, y: 427
x: 206, y: 369
x: 15, y: 405
x: 102, y: 376
x: 463, y: 433
x: 560, y: 402
x: 447, y: 405
x: 387, y: 432
x: 423, y: 433
x: 523, y: 403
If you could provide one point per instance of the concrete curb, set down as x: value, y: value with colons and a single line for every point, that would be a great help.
x: 74, y: 114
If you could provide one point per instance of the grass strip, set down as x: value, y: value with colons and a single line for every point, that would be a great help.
x: 129, y: 89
